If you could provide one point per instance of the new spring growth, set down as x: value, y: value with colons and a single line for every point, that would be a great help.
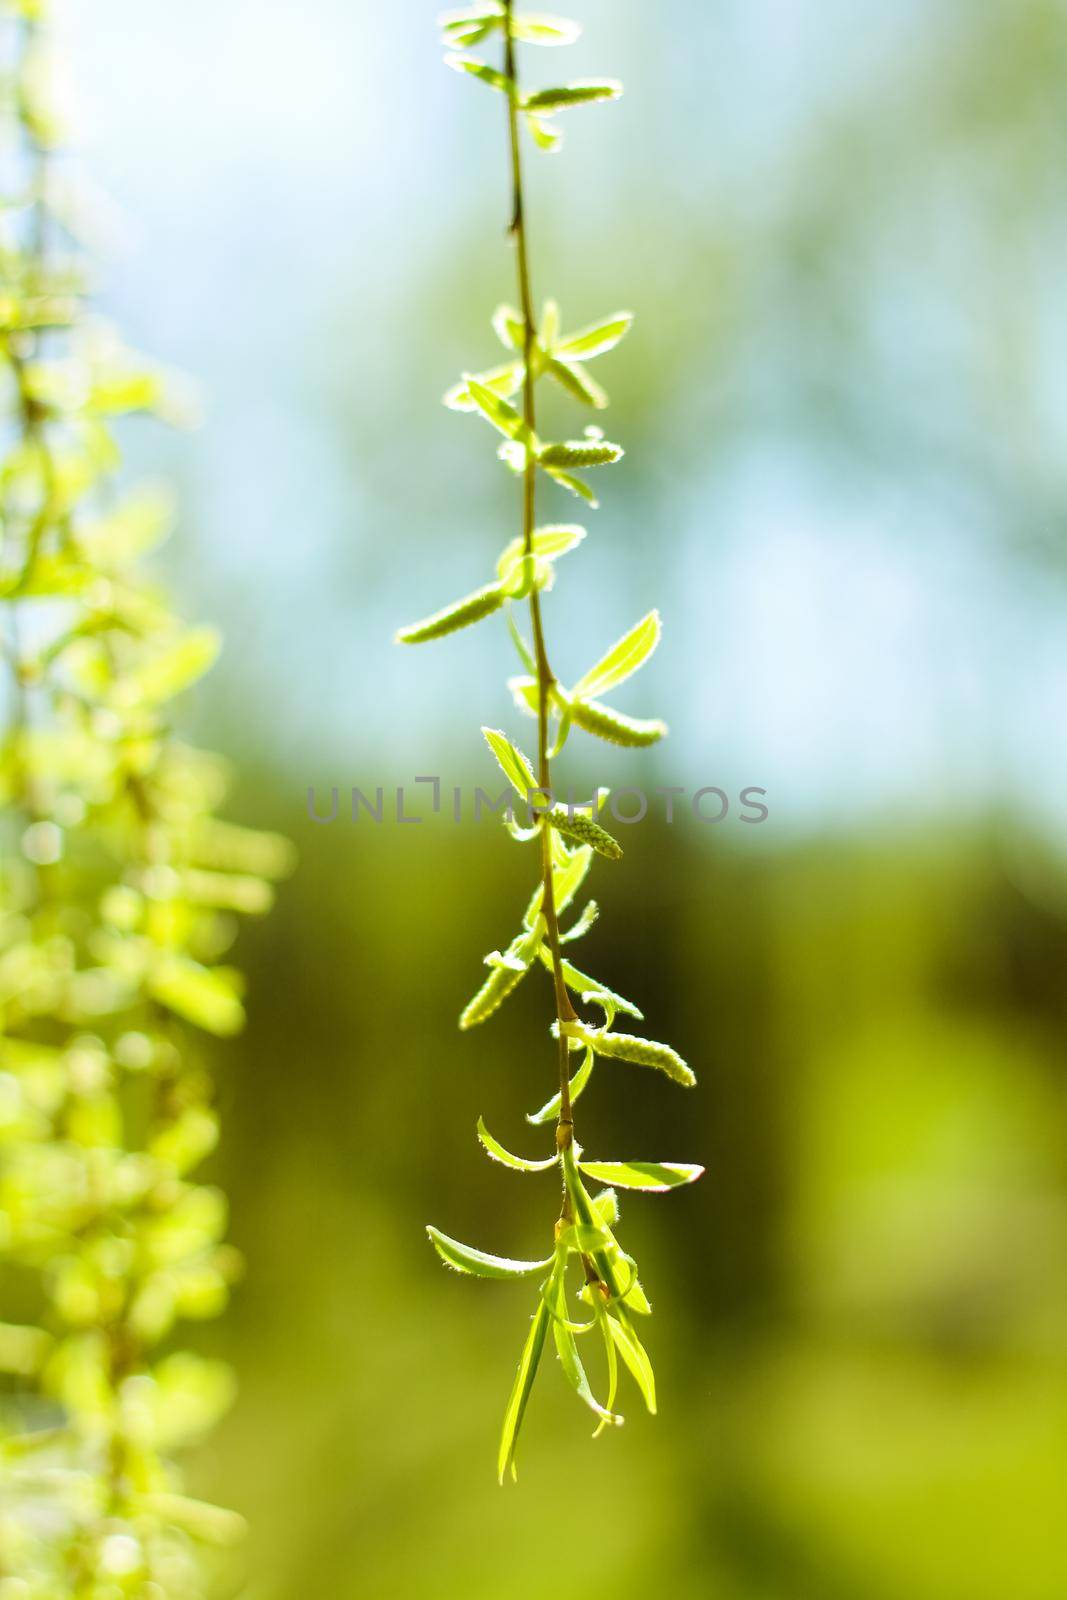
x: 118, y: 892
x: 585, y: 1264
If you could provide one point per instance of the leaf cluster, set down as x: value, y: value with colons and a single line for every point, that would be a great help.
x: 120, y: 889
x: 586, y: 1265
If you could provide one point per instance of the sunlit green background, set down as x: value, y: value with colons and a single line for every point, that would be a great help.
x: 842, y: 225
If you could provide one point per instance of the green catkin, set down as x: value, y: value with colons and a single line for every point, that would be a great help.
x: 644, y: 1052
x: 587, y: 1260
x: 116, y: 887
x: 615, y: 727
x: 579, y: 829
x: 472, y: 609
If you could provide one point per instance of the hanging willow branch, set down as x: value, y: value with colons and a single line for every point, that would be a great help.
x: 612, y: 1301
x: 117, y: 893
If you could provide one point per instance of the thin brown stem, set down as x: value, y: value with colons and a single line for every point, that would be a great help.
x: 546, y: 678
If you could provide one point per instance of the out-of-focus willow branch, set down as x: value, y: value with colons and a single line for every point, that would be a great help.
x: 118, y: 894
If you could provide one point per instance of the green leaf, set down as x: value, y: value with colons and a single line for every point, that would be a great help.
x: 582, y: 92
x: 520, y: 1390
x: 550, y: 542
x: 171, y: 669
x: 522, y: 649
x: 573, y: 485
x: 472, y: 24
x: 615, y: 726
x: 643, y: 1052
x: 202, y: 995
x: 509, y: 327
x: 635, y: 1356
x: 517, y: 1163
x: 573, y: 377
x: 511, y: 761
x: 461, y: 614
x: 464, y: 1258
x: 569, y: 1359
x: 550, y: 1110
x: 582, y: 985
x: 583, y: 925
x: 497, y: 411
x: 654, y: 1176
x: 622, y: 660
x: 504, y: 381
x: 480, y: 70
x: 575, y: 825
x: 612, y: 1361
x: 606, y: 1207
x: 595, y: 340
x: 580, y: 453
x: 544, y: 137
x: 536, y: 28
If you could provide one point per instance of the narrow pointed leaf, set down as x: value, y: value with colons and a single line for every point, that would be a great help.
x: 582, y: 926
x: 571, y: 1361
x: 595, y: 340
x: 568, y: 875
x: 502, y: 381
x: 479, y: 1264
x: 635, y: 1356
x: 480, y: 70
x: 509, y: 327
x: 612, y: 1361
x: 574, y: 485
x: 550, y: 1110
x: 511, y: 761
x: 580, y: 984
x: 533, y: 27
x: 520, y: 1390
x: 496, y: 1152
x: 550, y: 542
x: 570, y: 375
x: 544, y: 136
x: 654, y: 1176
x: 496, y: 410
x: 622, y: 660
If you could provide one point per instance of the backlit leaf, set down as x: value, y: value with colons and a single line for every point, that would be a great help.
x: 635, y: 1356
x: 533, y: 27
x: 654, y: 1176
x: 550, y: 1110
x: 622, y: 660
x: 520, y: 1390
x: 511, y: 761
x: 479, y: 1264
x: 517, y: 1163
x: 480, y: 70
x: 596, y: 339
